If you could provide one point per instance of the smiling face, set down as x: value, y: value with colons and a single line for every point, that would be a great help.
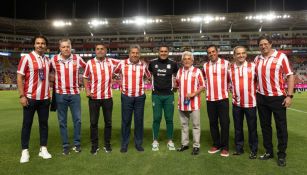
x: 40, y: 46
x: 265, y: 47
x: 187, y: 61
x: 163, y: 53
x: 100, y: 51
x: 134, y: 55
x: 65, y: 48
x: 212, y: 54
x: 240, y: 55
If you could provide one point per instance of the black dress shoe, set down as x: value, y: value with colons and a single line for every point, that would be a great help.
x: 123, y: 150
x: 281, y: 162
x: 182, y: 148
x: 195, y: 151
x: 253, y: 155
x: 139, y: 148
x: 237, y: 153
x: 266, y: 156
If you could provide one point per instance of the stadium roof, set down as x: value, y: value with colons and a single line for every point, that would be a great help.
x: 169, y: 24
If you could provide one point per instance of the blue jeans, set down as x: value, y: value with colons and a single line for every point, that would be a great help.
x: 251, y: 118
x: 73, y: 102
x: 132, y: 105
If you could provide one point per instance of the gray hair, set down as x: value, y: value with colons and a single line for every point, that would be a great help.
x: 64, y: 40
x: 134, y: 46
x: 237, y: 47
x: 187, y: 53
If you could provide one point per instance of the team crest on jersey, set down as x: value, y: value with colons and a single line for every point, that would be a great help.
x: 223, y: 66
x: 193, y: 74
x: 75, y: 63
x: 249, y: 70
x: 275, y: 61
x: 168, y: 66
x: 156, y: 66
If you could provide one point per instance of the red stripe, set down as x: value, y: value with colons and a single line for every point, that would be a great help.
x: 44, y: 82
x: 142, y: 74
x: 35, y: 76
x: 94, y: 78
x: 58, y: 72
x: 215, y: 83
x: 224, y: 78
x: 193, y: 88
x: 249, y: 85
x: 126, y: 69
x: 208, y: 81
x: 75, y: 77
x: 110, y: 81
x: 263, y: 78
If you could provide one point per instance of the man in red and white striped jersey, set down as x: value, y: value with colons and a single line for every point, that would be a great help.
x: 33, y: 70
x: 190, y: 83
x: 66, y: 69
x: 243, y: 82
x: 216, y: 76
x: 97, y: 79
x: 271, y: 68
x: 132, y: 71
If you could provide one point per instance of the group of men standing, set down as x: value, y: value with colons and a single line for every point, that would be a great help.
x: 259, y: 84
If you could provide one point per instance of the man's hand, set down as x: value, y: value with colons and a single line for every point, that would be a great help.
x: 287, y: 102
x: 23, y: 101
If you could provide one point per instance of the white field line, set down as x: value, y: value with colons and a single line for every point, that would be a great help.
x: 297, y: 110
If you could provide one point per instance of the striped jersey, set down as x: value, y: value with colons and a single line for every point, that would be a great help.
x: 31, y: 66
x: 132, y: 77
x: 67, y: 73
x: 243, y: 84
x: 100, y: 76
x: 270, y: 73
x: 216, y: 76
x: 189, y: 81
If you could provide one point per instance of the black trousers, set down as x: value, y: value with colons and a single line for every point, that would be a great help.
x: 266, y: 106
x: 107, y: 107
x: 251, y: 119
x: 218, y: 113
x: 42, y: 108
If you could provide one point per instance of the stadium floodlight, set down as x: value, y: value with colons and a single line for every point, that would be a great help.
x: 203, y: 19
x: 141, y: 21
x: 96, y: 22
x: 61, y: 23
x: 267, y: 17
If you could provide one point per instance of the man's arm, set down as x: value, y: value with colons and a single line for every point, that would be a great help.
x: 87, y: 88
x: 288, y: 100
x: 23, y: 99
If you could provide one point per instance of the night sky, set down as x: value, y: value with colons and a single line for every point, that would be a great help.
x: 52, y: 9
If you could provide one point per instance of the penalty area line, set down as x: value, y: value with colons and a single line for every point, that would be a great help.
x: 297, y: 110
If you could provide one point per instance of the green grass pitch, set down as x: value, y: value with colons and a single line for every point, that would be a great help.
x: 148, y: 162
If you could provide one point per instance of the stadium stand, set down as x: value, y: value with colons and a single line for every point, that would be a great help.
x: 180, y: 33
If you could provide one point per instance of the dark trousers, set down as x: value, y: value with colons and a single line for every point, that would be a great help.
x: 132, y: 105
x: 266, y: 106
x: 42, y: 108
x: 218, y: 113
x: 251, y: 118
x: 107, y: 107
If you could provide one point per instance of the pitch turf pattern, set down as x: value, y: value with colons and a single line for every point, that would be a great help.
x: 148, y: 162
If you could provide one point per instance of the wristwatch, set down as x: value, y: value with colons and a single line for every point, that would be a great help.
x: 291, y: 96
x: 21, y: 96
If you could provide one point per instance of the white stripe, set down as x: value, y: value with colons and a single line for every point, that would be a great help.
x: 297, y: 110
